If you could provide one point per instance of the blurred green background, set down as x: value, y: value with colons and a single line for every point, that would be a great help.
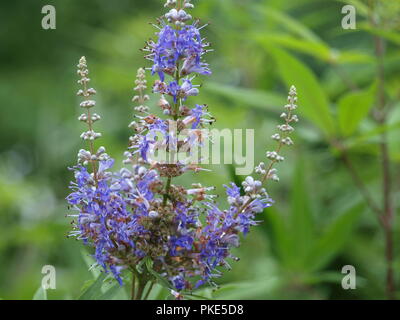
x: 319, y: 222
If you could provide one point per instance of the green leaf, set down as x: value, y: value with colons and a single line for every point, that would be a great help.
x: 301, y: 218
x: 353, y: 108
x: 90, y: 262
x: 247, y: 97
x: 361, y: 7
x: 323, y: 277
x: 94, y: 290
x: 40, y: 294
x: 318, y: 50
x: 251, y: 289
x: 163, y: 281
x: 313, y: 102
x: 330, y: 277
x: 289, y: 23
x: 353, y: 56
x: 280, y: 235
x: 196, y: 297
x: 366, y: 136
x: 110, y: 293
x: 159, y: 292
x: 140, y: 265
x: 334, y: 238
x: 389, y: 35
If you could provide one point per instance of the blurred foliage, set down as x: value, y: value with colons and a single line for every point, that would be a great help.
x: 319, y: 222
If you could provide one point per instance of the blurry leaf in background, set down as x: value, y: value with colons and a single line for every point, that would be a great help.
x: 247, y: 97
x: 279, y: 234
x: 302, y: 228
x: 318, y: 50
x: 40, y: 294
x: 391, y: 36
x: 362, y: 8
x: 247, y: 289
x: 369, y: 135
x: 290, y: 24
x: 334, y: 237
x: 313, y: 101
x: 353, y: 108
x: 303, y: 39
x: 301, y: 247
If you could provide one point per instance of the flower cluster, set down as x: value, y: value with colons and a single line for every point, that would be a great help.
x: 179, y: 50
x: 138, y: 214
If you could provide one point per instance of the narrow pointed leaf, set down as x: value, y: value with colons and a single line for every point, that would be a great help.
x: 301, y: 217
x: 334, y: 238
x: 254, y: 98
x: 94, y: 290
x: 110, y: 293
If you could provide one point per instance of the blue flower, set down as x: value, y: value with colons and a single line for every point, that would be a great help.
x: 105, y: 165
x: 175, y: 45
x: 178, y: 244
x: 198, y: 113
x: 178, y: 282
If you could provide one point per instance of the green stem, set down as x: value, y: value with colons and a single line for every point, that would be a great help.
x: 133, y: 286
x: 141, y: 286
x: 148, y: 291
x: 176, y: 116
x: 381, y: 119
